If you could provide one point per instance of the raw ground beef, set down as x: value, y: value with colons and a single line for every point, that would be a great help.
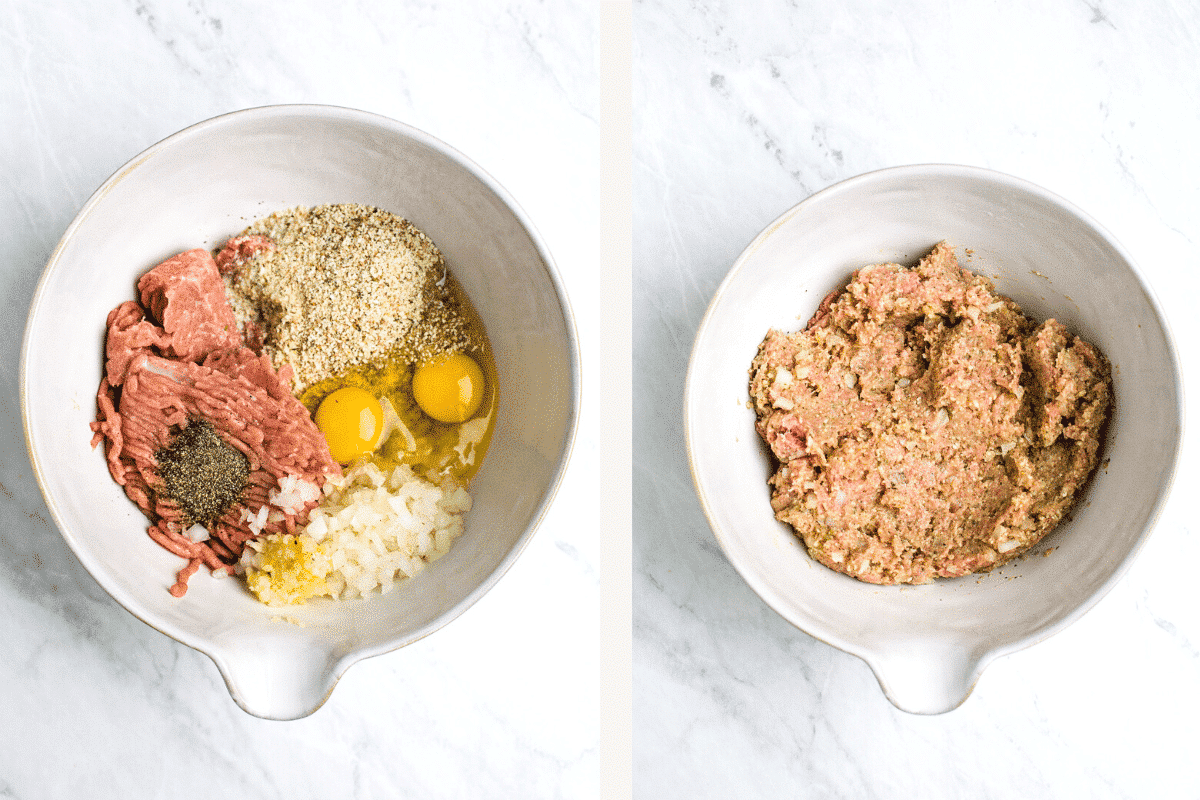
x: 176, y: 357
x: 923, y: 426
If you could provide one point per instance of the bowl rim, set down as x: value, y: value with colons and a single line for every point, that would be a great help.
x: 392, y: 126
x: 837, y: 638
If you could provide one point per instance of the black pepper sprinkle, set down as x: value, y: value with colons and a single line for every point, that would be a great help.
x: 202, y: 473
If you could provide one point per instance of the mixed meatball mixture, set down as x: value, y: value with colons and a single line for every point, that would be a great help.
x: 924, y: 427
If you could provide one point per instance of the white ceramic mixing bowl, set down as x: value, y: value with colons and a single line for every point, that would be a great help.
x: 197, y: 188
x: 928, y: 644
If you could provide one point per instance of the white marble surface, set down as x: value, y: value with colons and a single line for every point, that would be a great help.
x: 743, y: 110
x: 503, y: 702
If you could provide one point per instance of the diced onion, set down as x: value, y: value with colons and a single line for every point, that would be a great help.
x: 197, y: 533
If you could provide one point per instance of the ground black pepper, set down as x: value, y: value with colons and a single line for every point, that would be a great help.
x: 202, y: 473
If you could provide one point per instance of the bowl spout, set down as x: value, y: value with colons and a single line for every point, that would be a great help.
x: 926, y: 677
x: 279, y: 676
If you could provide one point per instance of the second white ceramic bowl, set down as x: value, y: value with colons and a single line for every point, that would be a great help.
x: 928, y: 644
x: 198, y: 188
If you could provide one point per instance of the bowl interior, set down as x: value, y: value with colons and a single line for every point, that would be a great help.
x: 1055, y: 263
x: 197, y: 189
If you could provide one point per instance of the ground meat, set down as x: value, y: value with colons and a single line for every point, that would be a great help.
x: 923, y: 426
x: 187, y: 299
x: 176, y: 358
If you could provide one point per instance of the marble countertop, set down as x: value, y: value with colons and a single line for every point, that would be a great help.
x: 503, y: 702
x: 741, y: 111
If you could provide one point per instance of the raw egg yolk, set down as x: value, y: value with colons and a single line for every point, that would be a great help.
x: 449, y: 390
x: 352, y: 420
